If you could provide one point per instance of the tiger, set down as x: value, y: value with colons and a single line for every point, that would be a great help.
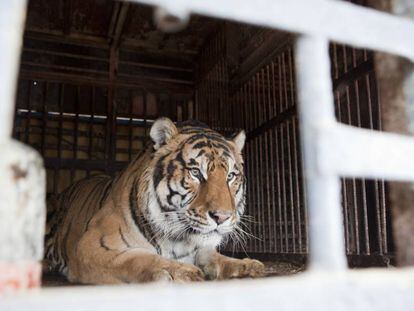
x: 160, y: 219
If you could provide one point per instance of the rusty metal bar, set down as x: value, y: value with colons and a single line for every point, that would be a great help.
x: 267, y: 143
x: 29, y: 107
x: 259, y: 149
x: 271, y: 171
x: 44, y: 118
x: 130, y: 128
x: 91, y: 125
x: 363, y: 181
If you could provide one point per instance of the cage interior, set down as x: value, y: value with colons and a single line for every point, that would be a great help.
x: 95, y: 74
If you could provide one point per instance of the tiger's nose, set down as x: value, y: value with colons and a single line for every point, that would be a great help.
x: 219, y: 217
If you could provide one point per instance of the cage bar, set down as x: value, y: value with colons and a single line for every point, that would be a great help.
x: 12, y: 17
x: 325, y: 228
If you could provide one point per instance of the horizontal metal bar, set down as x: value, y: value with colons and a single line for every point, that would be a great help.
x: 356, y: 152
x: 280, y: 118
x: 79, y: 164
x: 96, y: 119
x: 335, y: 20
x: 373, y: 289
x: 352, y: 75
x: 134, y: 82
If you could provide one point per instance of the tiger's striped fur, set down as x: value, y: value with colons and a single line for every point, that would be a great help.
x: 160, y: 218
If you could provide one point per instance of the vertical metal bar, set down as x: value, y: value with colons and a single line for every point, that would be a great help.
x: 284, y: 105
x: 206, y: 73
x: 243, y: 103
x: 91, y: 123
x: 335, y: 60
x: 145, y: 113
x: 44, y: 119
x: 290, y: 163
x: 29, y: 113
x: 363, y: 185
x: 383, y: 218
x: 323, y: 190
x: 355, y: 223
x: 265, y: 146
x: 279, y: 155
x: 220, y: 118
x: 248, y: 164
x: 344, y: 186
x: 219, y: 94
x: 271, y: 103
x: 12, y: 15
x: 297, y: 188
x: 130, y: 128
x: 267, y: 142
x: 376, y: 183
x: 284, y: 190
x: 246, y: 167
x: 258, y: 105
x: 353, y: 185
x: 75, y: 137
x: 304, y: 191
x: 213, y: 94
x: 279, y: 190
x: 257, y: 200
x: 292, y: 208
x: 254, y: 199
x: 60, y: 130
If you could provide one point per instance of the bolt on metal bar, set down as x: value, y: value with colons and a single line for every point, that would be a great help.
x: 316, y: 115
x: 12, y: 18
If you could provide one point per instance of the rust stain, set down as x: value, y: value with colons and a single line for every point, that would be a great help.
x: 18, y: 172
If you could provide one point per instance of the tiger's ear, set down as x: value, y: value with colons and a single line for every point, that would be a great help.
x: 162, y: 131
x: 239, y: 140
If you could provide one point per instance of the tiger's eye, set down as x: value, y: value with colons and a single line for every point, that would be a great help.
x: 195, y: 172
x: 231, y: 176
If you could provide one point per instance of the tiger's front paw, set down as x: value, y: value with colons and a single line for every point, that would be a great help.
x: 179, y: 272
x: 229, y: 268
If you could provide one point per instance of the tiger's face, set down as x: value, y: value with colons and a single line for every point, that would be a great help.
x: 198, y: 179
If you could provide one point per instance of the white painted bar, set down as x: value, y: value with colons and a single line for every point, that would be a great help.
x: 316, y: 112
x: 12, y: 18
x: 22, y: 204
x: 335, y: 20
x: 351, y: 151
x: 362, y: 290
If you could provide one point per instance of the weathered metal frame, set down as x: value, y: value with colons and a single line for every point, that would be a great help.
x: 325, y: 161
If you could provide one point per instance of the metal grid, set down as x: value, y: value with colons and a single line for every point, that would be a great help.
x: 264, y: 104
x: 366, y: 214
x: 72, y: 129
x: 211, y: 93
x: 366, y: 154
x: 275, y: 187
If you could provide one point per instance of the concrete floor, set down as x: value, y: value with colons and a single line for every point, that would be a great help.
x: 53, y: 279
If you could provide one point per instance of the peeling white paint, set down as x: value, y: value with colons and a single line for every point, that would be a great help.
x: 22, y: 203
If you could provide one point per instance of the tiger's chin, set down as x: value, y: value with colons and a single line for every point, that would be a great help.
x: 211, y: 231
x: 209, y: 237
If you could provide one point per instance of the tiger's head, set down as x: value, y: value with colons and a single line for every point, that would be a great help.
x: 198, y: 179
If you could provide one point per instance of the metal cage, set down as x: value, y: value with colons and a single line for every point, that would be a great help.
x: 305, y: 144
